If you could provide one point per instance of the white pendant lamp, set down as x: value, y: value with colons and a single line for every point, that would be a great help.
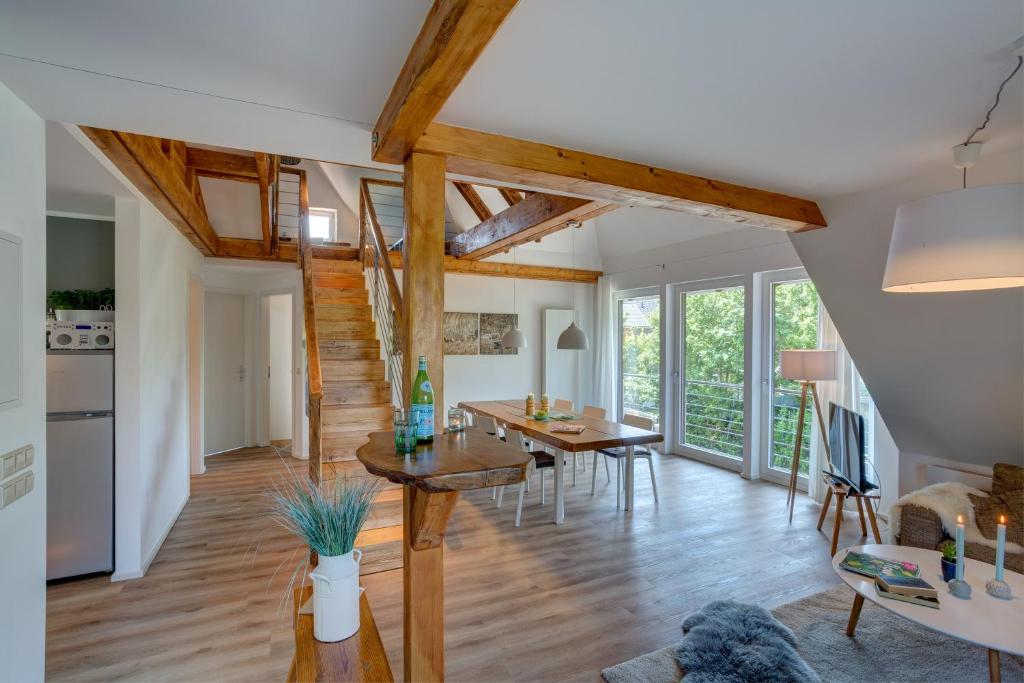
x: 573, y: 338
x: 966, y: 239
x: 514, y: 338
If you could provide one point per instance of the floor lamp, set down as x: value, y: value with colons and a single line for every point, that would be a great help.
x: 807, y: 366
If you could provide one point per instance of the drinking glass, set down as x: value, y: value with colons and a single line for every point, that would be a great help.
x: 405, y: 432
x: 456, y: 420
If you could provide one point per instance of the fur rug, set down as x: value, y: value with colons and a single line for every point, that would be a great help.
x: 947, y: 500
x: 729, y: 641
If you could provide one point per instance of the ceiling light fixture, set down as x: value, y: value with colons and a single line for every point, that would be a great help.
x: 962, y: 240
x: 514, y: 338
x: 573, y: 338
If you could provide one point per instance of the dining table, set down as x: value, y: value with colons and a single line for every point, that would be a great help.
x: 597, y: 434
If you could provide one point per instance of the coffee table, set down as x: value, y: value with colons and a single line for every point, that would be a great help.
x: 983, y: 620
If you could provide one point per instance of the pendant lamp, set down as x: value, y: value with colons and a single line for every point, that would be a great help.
x: 965, y: 239
x: 573, y: 338
x: 514, y: 338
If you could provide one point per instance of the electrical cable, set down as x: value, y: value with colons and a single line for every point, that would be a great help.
x: 988, y: 114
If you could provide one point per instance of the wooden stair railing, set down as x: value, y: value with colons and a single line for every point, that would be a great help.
x: 314, y: 374
x: 386, y: 298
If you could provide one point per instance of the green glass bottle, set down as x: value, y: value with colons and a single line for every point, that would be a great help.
x: 423, y: 404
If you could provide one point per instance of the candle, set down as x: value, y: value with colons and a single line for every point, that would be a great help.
x: 959, y: 548
x: 1000, y: 547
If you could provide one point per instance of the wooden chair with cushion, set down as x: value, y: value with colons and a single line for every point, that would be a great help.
x: 619, y: 454
x: 922, y: 528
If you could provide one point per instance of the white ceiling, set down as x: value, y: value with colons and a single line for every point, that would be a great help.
x: 802, y: 96
x: 75, y: 181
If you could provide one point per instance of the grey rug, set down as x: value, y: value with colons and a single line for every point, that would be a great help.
x: 886, y: 648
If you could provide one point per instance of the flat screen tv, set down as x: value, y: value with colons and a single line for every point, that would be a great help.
x: 846, y: 448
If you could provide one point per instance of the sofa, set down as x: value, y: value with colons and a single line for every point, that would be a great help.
x: 921, y: 527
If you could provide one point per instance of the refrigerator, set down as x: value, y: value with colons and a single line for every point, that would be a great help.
x: 80, y: 463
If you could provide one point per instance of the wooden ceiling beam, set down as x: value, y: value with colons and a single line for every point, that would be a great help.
x: 226, y: 165
x: 520, y: 162
x: 147, y: 164
x: 262, y: 160
x: 509, y: 195
x: 472, y: 198
x: 525, y: 221
x: 453, y: 35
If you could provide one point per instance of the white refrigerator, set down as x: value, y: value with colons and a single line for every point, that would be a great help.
x: 80, y: 463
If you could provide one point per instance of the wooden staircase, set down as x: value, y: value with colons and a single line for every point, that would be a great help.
x: 357, y: 395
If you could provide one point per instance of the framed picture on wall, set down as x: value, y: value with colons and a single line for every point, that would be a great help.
x: 461, y: 334
x: 493, y: 327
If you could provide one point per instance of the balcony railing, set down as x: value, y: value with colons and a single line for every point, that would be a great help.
x: 713, y: 417
x: 641, y: 395
x: 785, y: 413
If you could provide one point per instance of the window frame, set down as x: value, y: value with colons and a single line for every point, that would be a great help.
x: 332, y: 217
x: 617, y: 299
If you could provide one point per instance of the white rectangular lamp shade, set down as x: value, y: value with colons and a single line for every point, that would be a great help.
x: 809, y: 365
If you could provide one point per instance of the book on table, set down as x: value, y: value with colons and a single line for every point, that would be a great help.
x: 870, y: 565
x: 913, y: 599
x: 913, y: 586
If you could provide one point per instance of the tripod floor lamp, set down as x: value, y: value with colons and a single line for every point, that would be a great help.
x: 807, y: 366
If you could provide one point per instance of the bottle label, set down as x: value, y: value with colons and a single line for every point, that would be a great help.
x: 426, y: 387
x: 423, y: 416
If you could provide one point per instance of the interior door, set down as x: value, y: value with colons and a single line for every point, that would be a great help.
x: 224, y: 382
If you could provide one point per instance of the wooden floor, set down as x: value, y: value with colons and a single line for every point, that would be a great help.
x: 538, y: 603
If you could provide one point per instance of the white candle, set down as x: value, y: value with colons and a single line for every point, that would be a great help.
x: 1000, y: 547
x: 959, y: 548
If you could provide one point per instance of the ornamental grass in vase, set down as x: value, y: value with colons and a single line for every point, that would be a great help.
x: 328, y: 518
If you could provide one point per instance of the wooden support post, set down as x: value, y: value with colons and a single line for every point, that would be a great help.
x: 423, y: 275
x: 424, y: 517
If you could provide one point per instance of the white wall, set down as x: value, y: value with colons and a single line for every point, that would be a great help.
x: 945, y: 369
x: 153, y: 263
x: 23, y: 524
x: 278, y: 324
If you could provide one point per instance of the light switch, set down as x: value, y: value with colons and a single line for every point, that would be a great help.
x: 17, y: 460
x: 16, y: 488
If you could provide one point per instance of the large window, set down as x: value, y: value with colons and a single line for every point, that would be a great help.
x: 793, y: 319
x: 640, y: 359
x: 712, y: 404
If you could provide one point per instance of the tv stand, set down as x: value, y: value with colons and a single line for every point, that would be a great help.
x: 841, y: 492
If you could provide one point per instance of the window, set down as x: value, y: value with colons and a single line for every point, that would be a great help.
x: 323, y: 224
x: 866, y: 408
x: 640, y: 356
x: 712, y: 400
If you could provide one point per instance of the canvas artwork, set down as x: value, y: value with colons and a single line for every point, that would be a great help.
x: 493, y: 327
x: 461, y: 334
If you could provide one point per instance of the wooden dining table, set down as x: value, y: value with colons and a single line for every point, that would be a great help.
x: 598, y: 434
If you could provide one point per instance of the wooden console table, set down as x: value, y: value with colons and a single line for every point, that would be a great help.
x: 841, y: 492
x: 431, y: 479
x: 359, y: 659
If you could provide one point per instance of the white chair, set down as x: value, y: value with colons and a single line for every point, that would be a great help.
x: 619, y: 453
x: 563, y: 405
x: 542, y: 460
x: 489, y: 426
x: 598, y: 414
x: 594, y: 411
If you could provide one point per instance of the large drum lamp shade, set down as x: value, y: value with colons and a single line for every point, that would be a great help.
x: 809, y: 365
x: 960, y: 240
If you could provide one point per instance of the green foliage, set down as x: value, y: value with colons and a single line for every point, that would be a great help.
x: 641, y: 367
x: 326, y: 517
x: 948, y: 550
x: 80, y: 299
x: 795, y: 312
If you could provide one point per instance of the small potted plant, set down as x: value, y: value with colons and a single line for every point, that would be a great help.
x: 328, y: 518
x: 82, y: 305
x: 948, y: 549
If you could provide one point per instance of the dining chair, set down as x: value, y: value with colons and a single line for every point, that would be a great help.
x: 542, y: 460
x: 594, y: 411
x: 619, y: 454
x: 489, y: 426
x: 599, y: 414
x: 563, y: 404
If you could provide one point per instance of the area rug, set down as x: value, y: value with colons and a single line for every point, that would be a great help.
x: 886, y: 648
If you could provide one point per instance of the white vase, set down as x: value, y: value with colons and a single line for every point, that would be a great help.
x: 83, y: 315
x: 336, y: 596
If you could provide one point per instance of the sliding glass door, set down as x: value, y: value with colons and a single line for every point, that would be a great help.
x: 640, y: 356
x: 711, y: 406
x: 789, y: 321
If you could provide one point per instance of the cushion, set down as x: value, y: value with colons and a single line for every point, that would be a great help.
x: 1007, y: 477
x: 1009, y: 504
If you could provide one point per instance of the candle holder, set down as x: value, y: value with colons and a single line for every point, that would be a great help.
x: 959, y: 588
x: 998, y: 589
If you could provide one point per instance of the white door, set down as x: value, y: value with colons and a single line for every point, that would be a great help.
x: 224, y: 382
x: 279, y: 366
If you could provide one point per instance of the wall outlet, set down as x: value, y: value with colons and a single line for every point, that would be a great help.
x: 17, y: 460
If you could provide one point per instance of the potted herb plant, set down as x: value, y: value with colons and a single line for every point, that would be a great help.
x: 948, y: 550
x: 82, y: 305
x: 328, y: 518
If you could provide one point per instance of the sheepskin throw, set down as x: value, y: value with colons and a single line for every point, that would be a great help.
x: 948, y: 500
x: 729, y: 642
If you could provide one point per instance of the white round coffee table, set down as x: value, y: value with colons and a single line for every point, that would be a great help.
x: 983, y: 620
